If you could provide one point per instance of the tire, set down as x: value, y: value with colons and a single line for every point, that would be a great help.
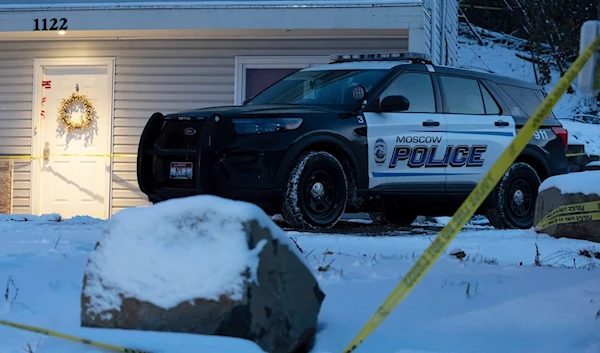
x: 512, y: 202
x: 315, y: 173
x: 393, y: 216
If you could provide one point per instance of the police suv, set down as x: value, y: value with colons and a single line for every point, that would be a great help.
x: 387, y: 134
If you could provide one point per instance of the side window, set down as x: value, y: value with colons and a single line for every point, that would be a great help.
x: 463, y: 95
x: 491, y: 106
x: 417, y: 88
x: 526, y: 98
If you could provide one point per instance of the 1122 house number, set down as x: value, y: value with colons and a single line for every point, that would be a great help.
x: 52, y: 24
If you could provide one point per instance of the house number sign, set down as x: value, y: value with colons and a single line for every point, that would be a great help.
x: 50, y: 24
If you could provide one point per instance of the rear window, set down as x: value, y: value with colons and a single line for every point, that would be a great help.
x: 527, y: 99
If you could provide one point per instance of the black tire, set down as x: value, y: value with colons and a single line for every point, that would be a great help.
x: 315, y: 192
x: 512, y: 202
x: 391, y: 215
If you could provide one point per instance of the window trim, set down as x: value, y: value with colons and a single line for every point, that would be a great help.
x: 242, y: 63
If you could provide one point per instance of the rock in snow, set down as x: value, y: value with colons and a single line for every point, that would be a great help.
x: 203, y: 265
x: 570, y: 189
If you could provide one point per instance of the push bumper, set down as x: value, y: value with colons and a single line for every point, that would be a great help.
x: 216, y: 168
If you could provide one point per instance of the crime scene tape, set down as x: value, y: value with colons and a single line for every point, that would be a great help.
x: 72, y: 338
x: 118, y: 155
x: 577, y: 212
x: 474, y: 200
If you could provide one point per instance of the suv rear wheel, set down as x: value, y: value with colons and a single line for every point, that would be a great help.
x: 512, y: 202
x: 315, y: 192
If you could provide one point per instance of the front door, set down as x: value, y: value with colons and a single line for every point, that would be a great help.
x: 71, y: 182
x: 406, y: 148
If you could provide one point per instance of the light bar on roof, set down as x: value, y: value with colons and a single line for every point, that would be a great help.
x: 422, y: 57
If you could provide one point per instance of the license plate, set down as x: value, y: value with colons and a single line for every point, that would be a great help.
x: 181, y: 170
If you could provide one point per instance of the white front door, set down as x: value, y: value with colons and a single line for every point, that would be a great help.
x: 407, y: 148
x: 71, y: 182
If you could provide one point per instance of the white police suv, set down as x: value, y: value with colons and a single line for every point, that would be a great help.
x: 387, y: 134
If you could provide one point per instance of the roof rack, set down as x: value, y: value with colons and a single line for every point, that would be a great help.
x: 404, y: 56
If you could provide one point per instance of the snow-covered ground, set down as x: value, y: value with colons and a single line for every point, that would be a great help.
x: 501, y: 297
x: 499, y: 59
x: 493, y: 300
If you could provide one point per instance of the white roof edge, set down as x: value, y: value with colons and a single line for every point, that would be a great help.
x: 212, y: 4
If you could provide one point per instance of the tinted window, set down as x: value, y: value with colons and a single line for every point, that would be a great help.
x: 332, y: 88
x: 418, y: 88
x: 491, y: 106
x: 463, y: 95
x: 526, y: 99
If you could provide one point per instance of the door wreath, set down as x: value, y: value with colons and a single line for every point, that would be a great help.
x: 65, y: 118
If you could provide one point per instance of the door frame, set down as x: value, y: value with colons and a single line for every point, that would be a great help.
x: 36, y: 145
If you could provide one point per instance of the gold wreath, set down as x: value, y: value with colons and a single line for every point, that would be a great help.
x: 65, y: 118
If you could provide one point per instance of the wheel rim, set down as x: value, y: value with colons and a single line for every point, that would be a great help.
x: 521, y: 200
x: 319, y: 194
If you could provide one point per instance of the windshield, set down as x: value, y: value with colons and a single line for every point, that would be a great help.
x: 331, y: 88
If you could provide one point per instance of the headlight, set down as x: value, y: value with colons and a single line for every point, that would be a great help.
x: 265, y: 125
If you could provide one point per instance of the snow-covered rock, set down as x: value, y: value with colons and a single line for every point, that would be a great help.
x: 202, y: 265
x: 575, y: 220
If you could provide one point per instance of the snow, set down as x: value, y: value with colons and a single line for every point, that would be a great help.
x: 501, y: 60
x: 586, y: 182
x: 176, y: 251
x: 584, y: 134
x: 510, y: 304
x: 512, y: 292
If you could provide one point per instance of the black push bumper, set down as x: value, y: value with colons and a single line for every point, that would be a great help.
x: 217, y: 168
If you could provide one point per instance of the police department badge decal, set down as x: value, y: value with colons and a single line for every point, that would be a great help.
x: 380, y: 151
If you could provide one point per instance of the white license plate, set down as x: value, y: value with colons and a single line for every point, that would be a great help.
x: 181, y: 170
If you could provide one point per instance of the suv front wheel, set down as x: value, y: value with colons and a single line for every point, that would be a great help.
x: 512, y: 202
x: 315, y: 192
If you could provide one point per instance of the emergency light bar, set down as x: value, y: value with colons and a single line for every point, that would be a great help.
x: 411, y: 56
x: 589, y: 76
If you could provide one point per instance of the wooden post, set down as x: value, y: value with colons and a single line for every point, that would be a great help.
x: 6, y: 188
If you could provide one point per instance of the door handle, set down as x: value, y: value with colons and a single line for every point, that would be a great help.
x: 501, y: 123
x: 431, y: 123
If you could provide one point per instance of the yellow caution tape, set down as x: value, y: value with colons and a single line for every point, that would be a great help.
x: 72, y: 338
x: 576, y: 154
x: 577, y: 212
x: 575, y: 218
x: 118, y: 155
x: 474, y: 200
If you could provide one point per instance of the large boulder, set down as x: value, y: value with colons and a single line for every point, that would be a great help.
x: 203, y: 265
x: 575, y: 221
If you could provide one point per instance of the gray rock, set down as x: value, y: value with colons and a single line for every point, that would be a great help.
x: 279, y: 312
x: 552, y: 198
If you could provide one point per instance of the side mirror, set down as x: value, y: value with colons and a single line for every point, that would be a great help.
x: 393, y: 104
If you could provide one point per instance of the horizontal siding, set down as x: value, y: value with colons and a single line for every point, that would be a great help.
x: 428, y: 36
x: 150, y: 76
x: 451, y: 29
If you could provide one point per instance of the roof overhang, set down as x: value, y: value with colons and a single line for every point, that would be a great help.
x: 211, y: 16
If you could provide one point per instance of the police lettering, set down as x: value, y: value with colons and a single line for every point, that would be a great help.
x: 426, y: 156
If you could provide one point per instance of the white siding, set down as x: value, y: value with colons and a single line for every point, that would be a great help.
x: 451, y: 33
x: 441, y: 25
x: 428, y: 33
x: 151, y: 75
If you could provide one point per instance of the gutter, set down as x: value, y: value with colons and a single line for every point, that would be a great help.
x: 281, y: 4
